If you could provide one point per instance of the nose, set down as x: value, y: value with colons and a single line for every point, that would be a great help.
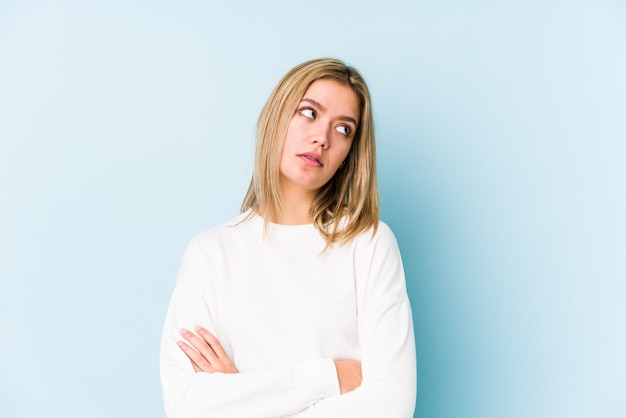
x: 322, y: 137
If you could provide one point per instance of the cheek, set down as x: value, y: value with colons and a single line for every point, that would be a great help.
x: 346, y: 150
x: 291, y: 136
x: 288, y: 142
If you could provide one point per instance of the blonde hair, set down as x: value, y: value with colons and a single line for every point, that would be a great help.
x: 348, y: 203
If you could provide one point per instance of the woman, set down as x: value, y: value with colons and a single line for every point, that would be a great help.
x: 299, y: 305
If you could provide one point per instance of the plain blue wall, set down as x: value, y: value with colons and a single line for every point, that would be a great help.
x: 126, y: 127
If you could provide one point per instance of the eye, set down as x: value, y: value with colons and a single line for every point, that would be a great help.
x: 308, y: 112
x: 344, y: 129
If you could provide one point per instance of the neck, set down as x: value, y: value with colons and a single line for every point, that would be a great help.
x: 296, y: 207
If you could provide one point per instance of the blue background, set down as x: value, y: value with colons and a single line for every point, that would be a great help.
x: 126, y: 127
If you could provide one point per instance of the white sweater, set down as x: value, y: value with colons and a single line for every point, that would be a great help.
x: 284, y: 310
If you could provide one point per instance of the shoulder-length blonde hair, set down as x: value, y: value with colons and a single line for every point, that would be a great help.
x: 348, y: 203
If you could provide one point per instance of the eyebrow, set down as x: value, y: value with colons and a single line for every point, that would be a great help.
x: 323, y: 109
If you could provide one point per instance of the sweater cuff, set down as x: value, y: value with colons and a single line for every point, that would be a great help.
x: 314, y: 380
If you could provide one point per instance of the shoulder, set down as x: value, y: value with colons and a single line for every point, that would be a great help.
x: 381, y: 234
x: 384, y: 232
x: 379, y: 262
x: 375, y: 242
x: 240, y: 227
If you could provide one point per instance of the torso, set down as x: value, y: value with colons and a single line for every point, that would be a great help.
x: 279, y: 298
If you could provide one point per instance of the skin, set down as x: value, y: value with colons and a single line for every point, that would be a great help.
x: 207, y: 354
x: 323, y: 128
x: 318, y: 140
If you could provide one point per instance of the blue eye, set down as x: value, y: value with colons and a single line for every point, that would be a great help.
x: 307, y: 112
x: 345, y: 130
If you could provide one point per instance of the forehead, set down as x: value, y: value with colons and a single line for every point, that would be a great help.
x: 335, y: 97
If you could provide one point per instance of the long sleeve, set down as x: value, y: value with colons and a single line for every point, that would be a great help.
x: 386, y: 337
x: 276, y: 392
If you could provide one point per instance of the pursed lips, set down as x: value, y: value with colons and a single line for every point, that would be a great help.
x: 313, y: 157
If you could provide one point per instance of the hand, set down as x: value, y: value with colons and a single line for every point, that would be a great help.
x: 205, y: 352
x: 348, y: 374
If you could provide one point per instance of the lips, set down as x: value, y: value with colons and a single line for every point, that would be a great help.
x: 312, y: 159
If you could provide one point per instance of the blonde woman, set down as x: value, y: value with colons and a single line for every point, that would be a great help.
x: 298, y: 307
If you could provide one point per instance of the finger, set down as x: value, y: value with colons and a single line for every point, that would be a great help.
x: 200, y: 345
x: 198, y: 361
x: 222, y: 362
x: 196, y: 368
x: 212, y: 341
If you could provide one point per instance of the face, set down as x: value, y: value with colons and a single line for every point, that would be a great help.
x: 319, y: 136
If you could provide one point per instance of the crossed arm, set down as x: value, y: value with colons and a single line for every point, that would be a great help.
x: 207, y: 355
